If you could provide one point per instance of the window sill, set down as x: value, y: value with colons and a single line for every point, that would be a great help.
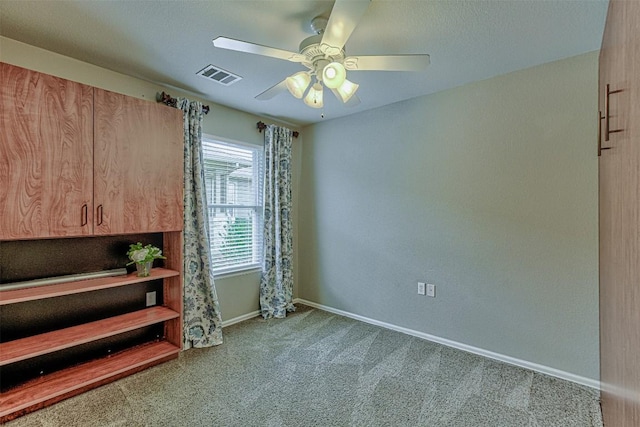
x: 240, y: 272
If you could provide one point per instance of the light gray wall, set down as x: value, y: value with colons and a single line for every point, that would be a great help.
x: 238, y: 295
x: 488, y: 190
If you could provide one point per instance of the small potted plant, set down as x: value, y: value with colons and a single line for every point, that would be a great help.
x: 143, y: 257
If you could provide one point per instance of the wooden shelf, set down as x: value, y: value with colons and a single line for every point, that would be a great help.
x: 69, y: 382
x: 37, y: 345
x: 60, y: 289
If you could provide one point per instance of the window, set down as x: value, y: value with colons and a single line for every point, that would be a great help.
x: 233, y: 181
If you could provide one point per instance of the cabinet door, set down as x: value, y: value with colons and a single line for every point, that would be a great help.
x: 46, y: 154
x: 138, y: 165
x: 620, y: 217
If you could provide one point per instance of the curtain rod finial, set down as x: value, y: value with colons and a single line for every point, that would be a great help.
x: 166, y: 99
x: 262, y: 126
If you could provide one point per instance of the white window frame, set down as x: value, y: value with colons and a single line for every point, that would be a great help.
x: 258, y: 210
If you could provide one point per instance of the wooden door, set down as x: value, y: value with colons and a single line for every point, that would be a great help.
x: 619, y: 191
x: 138, y: 165
x: 46, y: 154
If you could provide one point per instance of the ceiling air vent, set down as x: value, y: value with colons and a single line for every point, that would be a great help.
x: 216, y: 74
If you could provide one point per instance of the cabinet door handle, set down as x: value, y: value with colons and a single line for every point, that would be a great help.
x: 600, y: 147
x: 99, y: 214
x: 84, y: 215
x: 607, y: 116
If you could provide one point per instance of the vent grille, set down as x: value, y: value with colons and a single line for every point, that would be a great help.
x: 218, y: 75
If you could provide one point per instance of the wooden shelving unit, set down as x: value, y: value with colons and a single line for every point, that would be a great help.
x: 61, y: 384
x: 120, y: 161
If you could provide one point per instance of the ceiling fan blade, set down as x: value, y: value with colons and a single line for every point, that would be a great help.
x: 274, y: 90
x: 387, y: 63
x: 240, y: 46
x: 345, y: 15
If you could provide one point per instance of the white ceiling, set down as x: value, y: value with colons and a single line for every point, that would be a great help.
x: 167, y: 42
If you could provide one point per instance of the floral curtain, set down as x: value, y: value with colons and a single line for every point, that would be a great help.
x: 202, y: 320
x: 276, y: 284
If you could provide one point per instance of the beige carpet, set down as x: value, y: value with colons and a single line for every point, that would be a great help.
x: 319, y: 369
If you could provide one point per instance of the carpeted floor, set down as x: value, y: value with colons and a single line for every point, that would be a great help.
x: 318, y: 369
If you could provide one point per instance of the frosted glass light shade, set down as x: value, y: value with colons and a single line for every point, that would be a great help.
x: 297, y: 83
x: 314, y: 96
x: 334, y: 75
x: 346, y: 90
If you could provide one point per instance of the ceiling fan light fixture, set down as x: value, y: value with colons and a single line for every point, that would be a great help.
x: 346, y: 90
x: 323, y: 54
x: 298, y: 83
x: 314, y: 96
x: 334, y: 75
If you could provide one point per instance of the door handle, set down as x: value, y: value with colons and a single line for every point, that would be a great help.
x: 607, y: 116
x: 84, y: 214
x: 99, y: 214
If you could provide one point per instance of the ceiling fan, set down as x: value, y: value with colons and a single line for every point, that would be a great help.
x: 324, y: 56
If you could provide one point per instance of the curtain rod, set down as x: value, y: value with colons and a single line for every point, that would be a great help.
x: 261, y: 126
x: 165, y: 98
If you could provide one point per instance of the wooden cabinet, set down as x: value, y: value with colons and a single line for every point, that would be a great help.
x: 82, y: 161
x: 77, y: 160
x: 138, y: 165
x: 619, y: 206
x: 46, y: 155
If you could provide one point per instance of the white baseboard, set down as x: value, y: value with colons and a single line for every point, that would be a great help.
x: 239, y: 319
x: 589, y: 382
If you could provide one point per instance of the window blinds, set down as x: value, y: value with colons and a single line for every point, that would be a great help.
x: 234, y: 181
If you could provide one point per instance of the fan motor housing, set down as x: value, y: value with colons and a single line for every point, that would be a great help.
x: 310, y: 49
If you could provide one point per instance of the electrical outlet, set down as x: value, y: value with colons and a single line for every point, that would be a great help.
x: 431, y: 290
x: 420, y: 288
x: 151, y: 298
